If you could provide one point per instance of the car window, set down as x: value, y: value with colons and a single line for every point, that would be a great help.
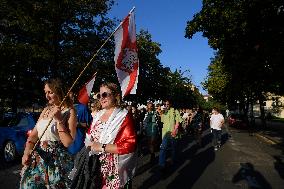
x: 20, y: 120
x: 23, y: 122
x: 14, y: 121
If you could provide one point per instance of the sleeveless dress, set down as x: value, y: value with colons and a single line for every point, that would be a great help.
x: 50, y: 163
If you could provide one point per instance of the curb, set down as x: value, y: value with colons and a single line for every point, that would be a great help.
x: 267, y: 139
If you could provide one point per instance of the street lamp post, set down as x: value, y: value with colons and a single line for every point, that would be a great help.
x: 238, y: 106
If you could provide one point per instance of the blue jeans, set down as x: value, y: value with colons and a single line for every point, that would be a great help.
x: 168, y: 143
x: 216, y: 137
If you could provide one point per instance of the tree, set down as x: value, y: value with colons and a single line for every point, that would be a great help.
x: 42, y: 39
x: 248, y: 36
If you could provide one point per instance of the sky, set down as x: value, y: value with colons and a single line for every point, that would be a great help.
x: 166, y: 21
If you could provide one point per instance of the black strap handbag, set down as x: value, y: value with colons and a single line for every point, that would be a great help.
x: 86, y: 173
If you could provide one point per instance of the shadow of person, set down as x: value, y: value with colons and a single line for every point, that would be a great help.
x: 224, y: 137
x: 279, y: 166
x: 7, y: 165
x: 191, y: 172
x: 254, y: 179
x: 187, y: 150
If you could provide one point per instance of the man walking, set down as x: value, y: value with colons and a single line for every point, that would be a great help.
x: 216, y: 124
x: 171, y: 120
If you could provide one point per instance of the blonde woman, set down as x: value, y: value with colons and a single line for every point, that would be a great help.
x: 50, y: 163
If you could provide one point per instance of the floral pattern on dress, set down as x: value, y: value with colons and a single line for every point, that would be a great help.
x: 50, y: 166
x: 109, y: 162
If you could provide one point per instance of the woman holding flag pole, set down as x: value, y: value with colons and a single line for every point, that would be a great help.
x: 48, y: 166
x: 48, y: 147
x: 112, y: 133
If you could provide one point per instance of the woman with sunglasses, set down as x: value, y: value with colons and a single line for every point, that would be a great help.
x: 48, y: 166
x: 112, y: 135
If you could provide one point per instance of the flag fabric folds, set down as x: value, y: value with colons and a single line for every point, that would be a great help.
x: 84, y: 93
x: 126, y: 56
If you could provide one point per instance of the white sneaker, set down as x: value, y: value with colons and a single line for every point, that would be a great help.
x: 215, y: 148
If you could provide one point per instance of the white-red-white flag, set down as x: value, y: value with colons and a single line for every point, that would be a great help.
x: 84, y: 93
x: 126, y: 56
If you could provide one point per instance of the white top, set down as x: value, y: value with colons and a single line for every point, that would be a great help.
x: 51, y: 133
x: 216, y: 121
x: 185, y: 115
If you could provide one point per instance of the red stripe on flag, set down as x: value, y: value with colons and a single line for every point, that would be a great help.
x: 125, y: 25
x: 83, y: 97
x: 133, y: 77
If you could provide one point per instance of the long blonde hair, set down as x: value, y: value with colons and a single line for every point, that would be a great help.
x: 57, y: 87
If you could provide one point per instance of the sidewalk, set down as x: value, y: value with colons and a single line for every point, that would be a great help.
x: 273, y: 134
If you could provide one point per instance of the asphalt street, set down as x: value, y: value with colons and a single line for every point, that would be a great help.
x: 243, y: 161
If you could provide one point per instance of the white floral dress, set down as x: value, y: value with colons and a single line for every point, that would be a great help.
x: 109, y: 162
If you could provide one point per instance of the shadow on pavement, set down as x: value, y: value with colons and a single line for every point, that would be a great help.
x: 274, y: 131
x: 187, y: 149
x: 194, y: 169
x: 279, y: 165
x: 7, y: 165
x: 254, y: 178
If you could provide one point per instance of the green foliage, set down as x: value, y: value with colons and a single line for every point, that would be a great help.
x: 156, y: 81
x: 218, y: 80
x: 42, y: 39
x: 249, y: 39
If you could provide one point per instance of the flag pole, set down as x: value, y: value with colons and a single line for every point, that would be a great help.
x: 76, y: 80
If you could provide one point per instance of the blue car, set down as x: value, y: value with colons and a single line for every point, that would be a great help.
x: 14, y: 131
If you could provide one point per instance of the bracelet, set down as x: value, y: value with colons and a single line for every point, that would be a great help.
x: 62, y: 131
x: 30, y: 142
x: 104, y: 148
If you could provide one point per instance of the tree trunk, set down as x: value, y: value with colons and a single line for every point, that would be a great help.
x: 262, y: 114
x: 252, y: 120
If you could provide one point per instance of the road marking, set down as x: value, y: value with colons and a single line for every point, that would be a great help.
x: 265, y: 139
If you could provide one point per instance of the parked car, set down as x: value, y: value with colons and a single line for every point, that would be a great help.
x: 238, y: 121
x: 14, y: 132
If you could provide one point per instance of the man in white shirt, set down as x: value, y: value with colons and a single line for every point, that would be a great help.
x: 216, y: 124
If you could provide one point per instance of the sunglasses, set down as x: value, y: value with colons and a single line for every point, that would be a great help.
x: 103, y: 95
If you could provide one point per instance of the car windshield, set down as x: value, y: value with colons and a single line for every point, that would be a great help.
x: 5, y: 121
x: 20, y: 120
x: 16, y: 120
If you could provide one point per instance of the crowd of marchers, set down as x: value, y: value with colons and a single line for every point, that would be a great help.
x: 96, y: 145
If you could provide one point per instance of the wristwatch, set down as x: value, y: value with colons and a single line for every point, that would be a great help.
x: 104, y: 148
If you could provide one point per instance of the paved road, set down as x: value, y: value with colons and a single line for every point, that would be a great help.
x: 244, y: 161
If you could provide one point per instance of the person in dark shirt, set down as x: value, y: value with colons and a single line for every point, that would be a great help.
x: 83, y: 122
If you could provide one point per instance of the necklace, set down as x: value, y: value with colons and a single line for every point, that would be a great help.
x: 48, y: 111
